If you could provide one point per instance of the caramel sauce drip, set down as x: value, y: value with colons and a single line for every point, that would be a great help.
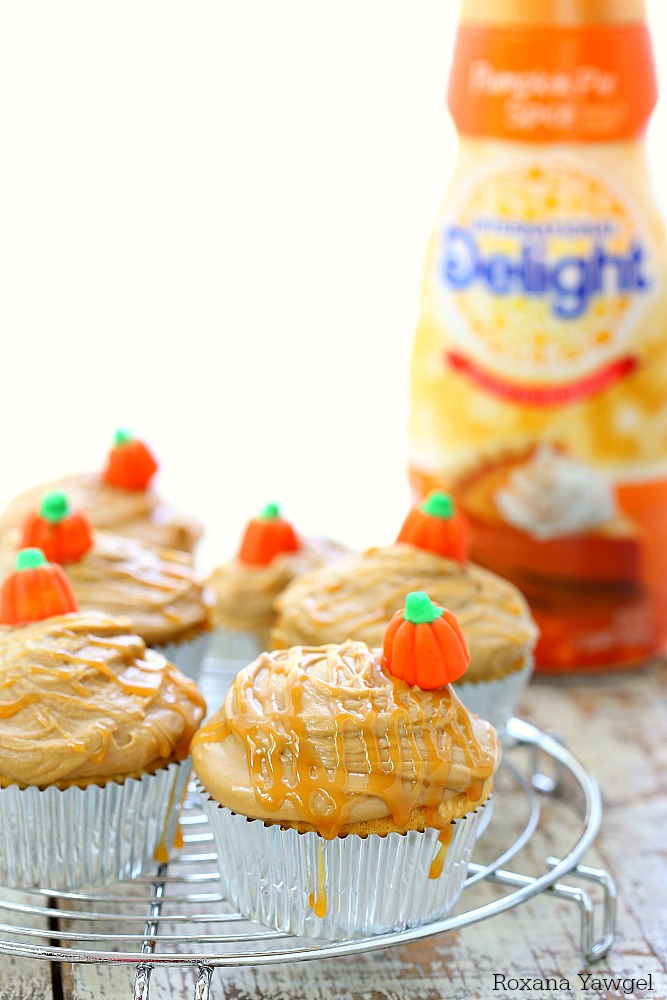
x: 444, y: 840
x: 83, y: 696
x: 325, y: 726
x: 161, y: 853
x: 317, y: 900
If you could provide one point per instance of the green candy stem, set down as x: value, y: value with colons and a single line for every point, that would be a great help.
x: 420, y: 609
x: 54, y: 507
x: 270, y: 512
x: 121, y: 437
x: 439, y: 505
x: 30, y: 559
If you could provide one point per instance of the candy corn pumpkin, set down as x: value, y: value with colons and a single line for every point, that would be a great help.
x: 63, y: 535
x: 37, y: 589
x: 267, y: 536
x: 438, y: 527
x: 424, y: 644
x: 130, y: 466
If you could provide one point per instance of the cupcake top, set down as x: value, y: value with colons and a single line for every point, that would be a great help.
x: 119, y: 498
x: 271, y: 555
x: 326, y: 737
x: 356, y: 597
x: 155, y: 588
x: 82, y: 698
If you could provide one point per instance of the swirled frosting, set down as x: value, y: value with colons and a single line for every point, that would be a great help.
x: 553, y: 495
x: 245, y: 595
x: 325, y: 737
x: 137, y: 514
x: 356, y: 597
x: 155, y: 588
x: 81, y: 697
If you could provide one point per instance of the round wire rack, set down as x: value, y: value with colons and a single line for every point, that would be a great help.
x: 180, y: 917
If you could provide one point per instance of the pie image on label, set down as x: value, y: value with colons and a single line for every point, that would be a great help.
x: 544, y: 512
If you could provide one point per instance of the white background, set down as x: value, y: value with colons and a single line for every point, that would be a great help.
x: 214, y: 216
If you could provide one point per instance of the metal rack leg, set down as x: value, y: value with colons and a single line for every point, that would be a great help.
x: 203, y: 984
x: 142, y: 979
x: 548, y: 784
x: 142, y: 982
x: 592, y: 950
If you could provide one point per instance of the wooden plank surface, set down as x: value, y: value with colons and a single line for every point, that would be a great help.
x: 617, y: 726
x: 20, y: 978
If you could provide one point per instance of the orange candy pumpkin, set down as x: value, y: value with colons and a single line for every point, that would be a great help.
x: 438, y: 527
x: 63, y: 535
x: 267, y: 536
x: 424, y: 644
x: 36, y: 590
x: 130, y: 466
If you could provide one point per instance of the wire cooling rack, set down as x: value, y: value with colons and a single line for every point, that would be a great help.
x: 180, y: 917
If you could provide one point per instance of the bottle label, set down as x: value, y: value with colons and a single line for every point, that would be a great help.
x: 574, y: 83
x: 539, y: 389
x: 542, y: 271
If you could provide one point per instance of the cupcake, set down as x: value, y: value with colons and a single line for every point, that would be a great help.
x: 94, y: 738
x: 356, y: 597
x: 156, y: 589
x: 345, y: 785
x: 271, y: 555
x: 119, y: 499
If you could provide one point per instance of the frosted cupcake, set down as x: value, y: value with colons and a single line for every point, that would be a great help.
x: 271, y: 555
x: 119, y: 499
x: 157, y: 589
x: 345, y: 785
x: 356, y: 597
x: 95, y: 730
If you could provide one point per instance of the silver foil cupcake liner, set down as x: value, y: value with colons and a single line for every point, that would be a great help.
x: 302, y: 884
x: 496, y: 700
x: 228, y: 644
x: 187, y: 655
x: 65, y: 838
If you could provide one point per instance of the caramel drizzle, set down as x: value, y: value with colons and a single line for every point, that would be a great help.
x: 357, y: 596
x: 157, y: 588
x: 317, y: 900
x: 320, y: 742
x: 66, y: 653
x: 444, y: 840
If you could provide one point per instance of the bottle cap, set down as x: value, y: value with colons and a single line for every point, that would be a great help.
x: 561, y: 12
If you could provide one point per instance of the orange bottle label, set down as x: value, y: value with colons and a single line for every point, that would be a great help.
x: 589, y: 83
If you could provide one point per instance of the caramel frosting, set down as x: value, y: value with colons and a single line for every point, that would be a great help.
x: 81, y: 697
x: 356, y: 597
x: 137, y: 514
x: 155, y: 588
x: 323, y: 736
x: 245, y: 595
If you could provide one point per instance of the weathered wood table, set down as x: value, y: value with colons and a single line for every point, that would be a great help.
x: 617, y: 726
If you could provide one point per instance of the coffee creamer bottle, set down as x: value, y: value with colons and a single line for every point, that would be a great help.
x: 539, y: 370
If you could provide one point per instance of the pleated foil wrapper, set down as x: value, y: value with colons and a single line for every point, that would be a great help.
x: 362, y: 885
x: 188, y: 655
x: 228, y: 644
x: 496, y: 700
x: 67, y: 838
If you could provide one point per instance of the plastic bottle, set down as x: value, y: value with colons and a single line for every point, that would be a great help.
x: 539, y: 371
